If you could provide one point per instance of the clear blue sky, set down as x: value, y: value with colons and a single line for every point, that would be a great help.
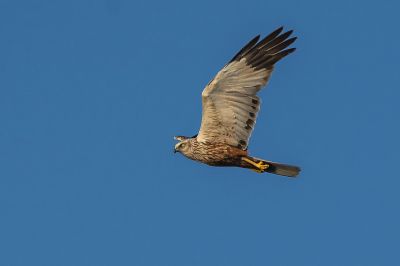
x: 92, y: 93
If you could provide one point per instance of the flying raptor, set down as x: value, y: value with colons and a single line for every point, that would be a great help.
x: 231, y: 105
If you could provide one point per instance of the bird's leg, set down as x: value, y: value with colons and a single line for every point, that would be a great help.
x: 261, y: 166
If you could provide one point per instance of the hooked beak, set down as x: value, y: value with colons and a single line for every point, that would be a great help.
x: 174, y: 150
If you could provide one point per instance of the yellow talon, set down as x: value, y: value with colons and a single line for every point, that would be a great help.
x: 261, y: 166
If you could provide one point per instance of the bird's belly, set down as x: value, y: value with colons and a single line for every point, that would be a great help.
x: 218, y: 155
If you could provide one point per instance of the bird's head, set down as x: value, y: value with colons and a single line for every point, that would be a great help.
x: 183, y: 146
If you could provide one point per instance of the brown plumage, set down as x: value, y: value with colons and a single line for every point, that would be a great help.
x: 231, y: 105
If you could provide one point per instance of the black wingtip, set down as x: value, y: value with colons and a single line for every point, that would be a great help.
x: 291, y: 50
x: 246, y: 48
x: 278, y: 30
x: 267, y: 51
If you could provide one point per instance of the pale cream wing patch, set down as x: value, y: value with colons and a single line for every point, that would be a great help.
x: 230, y: 101
x: 230, y: 104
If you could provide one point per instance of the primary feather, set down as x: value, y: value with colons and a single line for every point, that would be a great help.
x: 230, y: 101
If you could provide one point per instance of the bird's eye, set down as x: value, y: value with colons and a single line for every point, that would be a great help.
x: 183, y: 145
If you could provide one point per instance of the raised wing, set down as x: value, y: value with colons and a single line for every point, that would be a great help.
x: 230, y: 103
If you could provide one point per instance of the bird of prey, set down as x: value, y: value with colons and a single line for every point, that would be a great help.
x: 230, y: 108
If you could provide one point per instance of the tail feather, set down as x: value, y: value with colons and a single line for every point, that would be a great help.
x: 277, y: 168
x: 282, y: 169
